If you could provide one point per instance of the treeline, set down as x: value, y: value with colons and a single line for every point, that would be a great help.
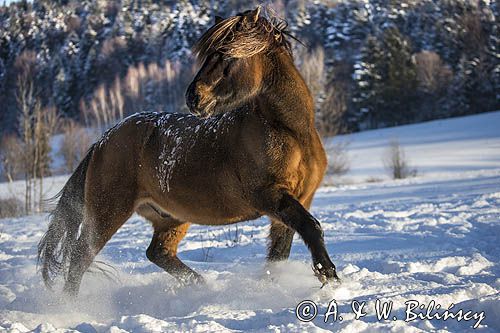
x: 369, y: 63
x: 396, y: 62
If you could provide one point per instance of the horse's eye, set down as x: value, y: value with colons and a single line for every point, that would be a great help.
x: 216, y: 56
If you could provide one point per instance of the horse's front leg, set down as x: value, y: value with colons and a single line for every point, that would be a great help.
x: 290, y: 212
x: 281, y: 237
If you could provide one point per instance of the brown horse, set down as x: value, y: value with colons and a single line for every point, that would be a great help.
x: 257, y: 153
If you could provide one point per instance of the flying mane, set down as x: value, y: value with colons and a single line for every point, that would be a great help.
x: 236, y: 37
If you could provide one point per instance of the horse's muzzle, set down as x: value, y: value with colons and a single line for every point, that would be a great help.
x: 200, y: 104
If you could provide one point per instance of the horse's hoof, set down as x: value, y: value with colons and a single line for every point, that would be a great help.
x: 198, y: 280
x: 191, y: 279
x: 325, y: 275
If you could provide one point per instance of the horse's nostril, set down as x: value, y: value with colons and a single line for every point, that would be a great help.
x: 191, y: 99
x: 196, y: 99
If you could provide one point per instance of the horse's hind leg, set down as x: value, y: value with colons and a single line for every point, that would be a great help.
x: 163, y: 252
x: 280, y: 241
x: 95, y: 233
x: 81, y: 258
x: 168, y: 233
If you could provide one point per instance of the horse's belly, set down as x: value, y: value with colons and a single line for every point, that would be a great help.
x: 206, y: 207
x: 204, y: 216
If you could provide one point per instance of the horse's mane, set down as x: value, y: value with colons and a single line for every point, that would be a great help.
x: 235, y: 37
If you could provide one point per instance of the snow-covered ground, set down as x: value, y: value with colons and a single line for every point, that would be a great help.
x: 431, y: 238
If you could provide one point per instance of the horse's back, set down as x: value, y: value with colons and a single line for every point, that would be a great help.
x: 188, y: 170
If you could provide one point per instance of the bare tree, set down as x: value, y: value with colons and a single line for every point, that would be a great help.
x: 472, y: 32
x: 154, y: 87
x: 312, y: 68
x: 330, y: 97
x: 432, y: 74
x: 46, y: 124
x: 105, y: 108
x: 11, y: 150
x: 330, y: 115
x: 27, y: 104
x: 10, y: 207
x: 37, y: 126
x: 76, y: 142
x: 144, y: 88
x: 396, y: 162
x: 338, y: 161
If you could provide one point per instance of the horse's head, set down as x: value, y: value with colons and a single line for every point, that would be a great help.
x: 235, y: 56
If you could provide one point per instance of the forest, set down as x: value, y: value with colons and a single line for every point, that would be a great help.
x: 66, y: 66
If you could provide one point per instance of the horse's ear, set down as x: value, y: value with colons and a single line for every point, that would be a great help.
x: 218, y: 19
x: 254, y: 15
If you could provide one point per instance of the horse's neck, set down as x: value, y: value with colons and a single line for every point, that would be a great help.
x: 287, y: 100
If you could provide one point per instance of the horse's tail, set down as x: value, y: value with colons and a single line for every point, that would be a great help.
x: 66, y: 220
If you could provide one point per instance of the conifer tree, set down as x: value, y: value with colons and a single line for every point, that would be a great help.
x: 369, y: 76
x: 401, y: 80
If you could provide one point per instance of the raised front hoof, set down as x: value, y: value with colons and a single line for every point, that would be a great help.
x: 326, y: 275
x: 191, y: 279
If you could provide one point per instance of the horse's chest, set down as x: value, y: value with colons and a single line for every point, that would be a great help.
x: 299, y: 166
x: 289, y: 164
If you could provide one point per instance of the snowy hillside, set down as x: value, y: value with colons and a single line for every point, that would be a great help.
x: 430, y: 238
x: 440, y: 148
